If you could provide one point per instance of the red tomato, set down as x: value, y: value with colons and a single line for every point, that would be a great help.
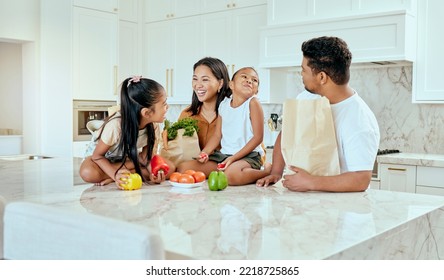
x: 186, y: 179
x: 199, y: 176
x: 175, y: 176
x: 189, y: 171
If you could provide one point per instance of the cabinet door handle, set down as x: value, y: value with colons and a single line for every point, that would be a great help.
x: 171, y: 73
x: 167, y: 80
x: 397, y: 169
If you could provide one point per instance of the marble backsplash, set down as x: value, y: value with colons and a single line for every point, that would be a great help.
x: 408, y: 127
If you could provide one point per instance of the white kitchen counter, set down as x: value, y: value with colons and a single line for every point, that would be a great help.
x: 432, y: 160
x: 245, y: 222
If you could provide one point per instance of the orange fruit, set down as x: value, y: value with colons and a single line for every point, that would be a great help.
x: 186, y: 179
x: 174, y: 177
x: 199, y: 176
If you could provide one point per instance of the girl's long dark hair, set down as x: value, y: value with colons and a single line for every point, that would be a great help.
x: 134, y: 96
x: 220, y: 71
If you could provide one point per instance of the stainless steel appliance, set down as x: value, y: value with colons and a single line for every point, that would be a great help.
x: 85, y: 111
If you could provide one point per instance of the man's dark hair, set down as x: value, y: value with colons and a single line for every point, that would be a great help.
x: 330, y: 55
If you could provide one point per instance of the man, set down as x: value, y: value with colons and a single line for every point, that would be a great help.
x: 326, y: 72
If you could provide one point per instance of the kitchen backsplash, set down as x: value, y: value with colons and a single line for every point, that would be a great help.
x: 403, y: 125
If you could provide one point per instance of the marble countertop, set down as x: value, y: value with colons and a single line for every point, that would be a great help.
x: 244, y: 222
x: 432, y: 160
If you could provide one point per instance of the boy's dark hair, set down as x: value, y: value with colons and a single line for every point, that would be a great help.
x: 330, y: 55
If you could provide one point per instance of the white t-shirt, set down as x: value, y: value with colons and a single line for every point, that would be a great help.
x: 236, y: 127
x: 357, y: 132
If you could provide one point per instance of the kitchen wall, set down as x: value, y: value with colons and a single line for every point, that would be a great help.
x: 405, y: 126
x: 409, y: 127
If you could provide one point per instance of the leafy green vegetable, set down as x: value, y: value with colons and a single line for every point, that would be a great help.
x: 188, y: 124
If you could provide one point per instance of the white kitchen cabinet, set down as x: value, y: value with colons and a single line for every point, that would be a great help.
x: 374, y: 185
x: 94, y: 54
x: 430, y: 180
x: 292, y: 11
x: 388, y: 37
x: 110, y: 6
x: 130, y: 10
x: 427, y: 85
x: 130, y: 39
x: 171, y: 49
x: 397, y: 177
x: 156, y: 10
x: 233, y: 36
x: 210, y: 6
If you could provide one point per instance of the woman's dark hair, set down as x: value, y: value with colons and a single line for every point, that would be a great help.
x: 330, y: 55
x: 136, y: 93
x: 220, y: 71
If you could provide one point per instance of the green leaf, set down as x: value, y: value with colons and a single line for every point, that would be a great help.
x: 188, y: 124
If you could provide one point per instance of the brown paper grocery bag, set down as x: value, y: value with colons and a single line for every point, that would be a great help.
x: 182, y: 148
x: 308, y: 139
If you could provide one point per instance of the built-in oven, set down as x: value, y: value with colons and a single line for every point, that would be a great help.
x: 85, y: 111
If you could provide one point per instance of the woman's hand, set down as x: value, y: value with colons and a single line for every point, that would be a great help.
x: 203, y: 157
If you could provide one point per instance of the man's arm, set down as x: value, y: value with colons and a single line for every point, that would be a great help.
x: 302, y: 181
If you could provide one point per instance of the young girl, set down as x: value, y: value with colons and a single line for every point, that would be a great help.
x: 240, y: 131
x: 122, y: 136
x: 210, y: 87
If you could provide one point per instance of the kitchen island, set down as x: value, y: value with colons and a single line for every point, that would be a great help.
x: 244, y: 222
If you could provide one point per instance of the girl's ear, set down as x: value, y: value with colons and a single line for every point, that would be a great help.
x: 146, y: 112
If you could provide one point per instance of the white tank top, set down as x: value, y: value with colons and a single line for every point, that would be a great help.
x: 236, y: 127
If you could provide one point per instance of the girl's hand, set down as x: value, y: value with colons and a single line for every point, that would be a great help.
x: 121, y: 176
x: 161, y: 177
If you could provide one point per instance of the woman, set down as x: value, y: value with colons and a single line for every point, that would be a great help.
x: 210, y: 86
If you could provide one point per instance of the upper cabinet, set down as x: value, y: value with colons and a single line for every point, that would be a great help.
x: 110, y: 6
x: 156, y: 10
x: 210, y: 6
x: 130, y: 39
x: 382, y: 37
x: 107, y: 43
x: 94, y: 54
x: 171, y: 49
x: 292, y: 11
x: 427, y: 86
x: 240, y: 29
x: 173, y: 46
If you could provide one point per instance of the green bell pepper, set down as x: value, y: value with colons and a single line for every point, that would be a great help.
x: 217, y: 181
